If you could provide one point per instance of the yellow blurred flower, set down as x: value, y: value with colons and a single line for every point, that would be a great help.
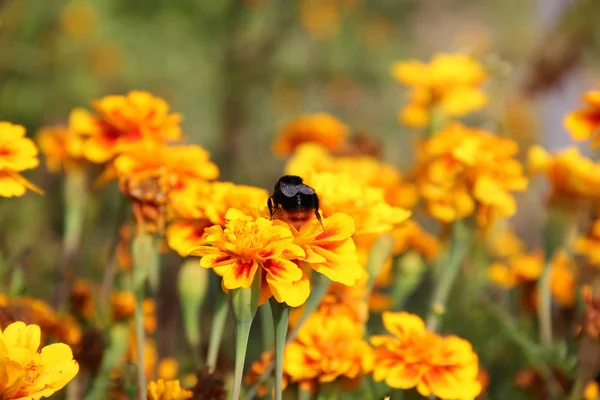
x: 123, y: 122
x: 505, y: 244
x: 445, y: 367
x: 17, y: 153
x: 123, y: 305
x: 28, y: 373
x: 524, y: 268
x: 464, y: 171
x: 591, y: 391
x: 411, y: 236
x: 328, y: 348
x: 589, y: 245
x: 313, y: 128
x: 168, y: 368
x: 451, y: 82
x: 167, y: 390
x: 572, y: 176
x: 365, y: 170
x: 184, y: 234
x: 149, y: 314
x: 584, y: 124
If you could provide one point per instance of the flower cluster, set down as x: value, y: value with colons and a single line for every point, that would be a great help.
x: 445, y: 367
x: 17, y: 154
x: 465, y: 171
x: 27, y: 372
x: 450, y: 82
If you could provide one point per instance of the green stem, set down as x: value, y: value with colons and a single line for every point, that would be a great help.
x: 304, y: 394
x: 242, y: 333
x: 281, y: 316
x: 545, y: 305
x: 141, y: 338
x: 578, y: 389
x: 458, y: 251
x: 216, y: 334
x: 267, y: 326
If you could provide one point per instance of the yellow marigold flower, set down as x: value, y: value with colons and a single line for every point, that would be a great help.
x: 446, y: 367
x: 123, y: 304
x: 167, y: 390
x: 592, y: 391
x: 572, y: 175
x: 339, y: 192
x: 411, y: 236
x: 317, y: 128
x: 149, y: 312
x: 28, y: 373
x: 589, y: 245
x: 526, y: 268
x: 184, y: 234
x: 451, y: 82
x: 365, y: 170
x: 168, y: 368
x: 327, y: 348
x: 17, y: 153
x: 505, y: 244
x: 584, y: 124
x: 463, y: 171
x: 124, y: 122
x: 62, y: 145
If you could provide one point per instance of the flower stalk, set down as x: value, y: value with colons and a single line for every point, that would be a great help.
x: 281, y: 316
x: 244, y: 303
x: 458, y: 250
x: 216, y: 333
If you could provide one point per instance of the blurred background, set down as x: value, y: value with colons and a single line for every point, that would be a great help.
x: 239, y: 69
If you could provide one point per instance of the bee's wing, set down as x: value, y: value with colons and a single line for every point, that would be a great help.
x: 304, y: 189
x: 288, y: 190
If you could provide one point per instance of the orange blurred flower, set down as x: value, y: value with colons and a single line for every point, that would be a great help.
x: 450, y: 82
x: 17, y: 154
x: 123, y: 305
x: 584, y: 124
x: 321, y: 18
x: 167, y: 390
x: 463, y: 171
x: 123, y: 122
x: 589, y: 245
x: 313, y: 128
x: 446, y: 367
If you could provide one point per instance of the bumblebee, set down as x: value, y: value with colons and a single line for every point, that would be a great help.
x: 294, y: 202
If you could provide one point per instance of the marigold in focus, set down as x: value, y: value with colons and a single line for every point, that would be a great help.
x: 445, y: 367
x: 572, y: 176
x: 584, y: 124
x: 28, y: 373
x: 167, y: 390
x: 17, y: 153
x: 316, y: 128
x: 451, y: 82
x: 124, y: 122
x: 463, y: 171
x: 328, y: 348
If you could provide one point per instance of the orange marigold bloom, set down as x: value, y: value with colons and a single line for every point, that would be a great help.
x: 572, y: 176
x: 463, y: 171
x: 167, y: 390
x: 589, y: 245
x: 123, y: 122
x: 123, y: 304
x: 446, y: 367
x: 318, y: 128
x: 451, y: 82
x: 62, y: 145
x: 328, y: 348
x: 17, y: 154
x: 584, y: 124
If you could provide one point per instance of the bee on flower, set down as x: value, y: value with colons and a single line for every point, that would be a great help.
x: 17, y: 154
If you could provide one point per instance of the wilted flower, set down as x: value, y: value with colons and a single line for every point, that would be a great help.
x: 316, y: 128
x: 572, y: 176
x: 450, y: 82
x: 17, y: 154
x: 62, y: 145
x: 208, y: 386
x: 464, y: 171
x: 28, y: 373
x: 124, y: 122
x: 589, y: 245
x: 584, y: 124
x: 445, y: 367
x: 167, y: 390
x: 328, y: 348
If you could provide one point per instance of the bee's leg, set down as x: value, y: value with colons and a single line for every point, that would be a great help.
x: 271, y: 205
x: 319, y: 218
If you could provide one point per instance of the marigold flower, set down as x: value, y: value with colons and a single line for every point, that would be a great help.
x: 17, y: 154
x: 28, y: 373
x: 589, y: 245
x: 124, y: 122
x: 168, y: 368
x: 317, y: 128
x: 463, y: 171
x: 584, y: 124
x: 150, y: 353
x: 327, y: 348
x: 257, y: 368
x: 184, y: 234
x: 451, y: 82
x: 61, y: 145
x: 410, y: 236
x: 572, y: 176
x: 167, y: 390
x: 446, y: 367
x: 123, y: 304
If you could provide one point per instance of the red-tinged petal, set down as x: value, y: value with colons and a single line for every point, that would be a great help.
x: 217, y: 260
x: 99, y: 148
x: 240, y: 274
x: 312, y: 257
x: 337, y: 227
x: 200, y: 251
x: 282, y: 269
x: 294, y: 294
